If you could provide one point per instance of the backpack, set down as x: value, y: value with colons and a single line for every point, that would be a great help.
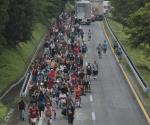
x: 105, y: 45
x: 83, y: 48
x: 76, y: 59
x: 88, y: 68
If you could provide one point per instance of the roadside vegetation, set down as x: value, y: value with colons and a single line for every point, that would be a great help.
x: 22, y: 25
x: 19, y: 40
x: 138, y: 54
x: 13, y: 61
x: 130, y: 20
x: 3, y: 111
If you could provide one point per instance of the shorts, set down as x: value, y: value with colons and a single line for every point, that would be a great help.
x: 70, y: 120
x: 77, y: 97
x: 48, y: 120
x: 63, y: 101
x: 99, y: 52
x: 33, y: 120
x: 105, y: 49
x: 95, y: 73
x: 85, y: 83
x: 89, y: 73
x: 83, y: 51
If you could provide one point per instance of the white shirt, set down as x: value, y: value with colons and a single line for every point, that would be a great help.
x: 63, y: 98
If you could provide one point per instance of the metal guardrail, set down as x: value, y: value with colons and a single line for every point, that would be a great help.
x: 135, y: 71
x: 24, y: 84
x: 27, y: 85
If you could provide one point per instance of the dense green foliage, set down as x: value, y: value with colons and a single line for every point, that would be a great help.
x: 3, y: 111
x: 13, y: 61
x: 135, y: 14
x: 19, y: 26
x: 22, y: 24
x: 17, y: 18
x: 3, y: 19
x: 139, y: 25
x: 45, y: 10
x: 123, y: 8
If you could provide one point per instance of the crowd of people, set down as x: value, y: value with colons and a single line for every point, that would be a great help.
x: 59, y: 77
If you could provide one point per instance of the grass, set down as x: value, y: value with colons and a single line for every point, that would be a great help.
x: 3, y: 111
x: 137, y: 55
x: 13, y: 61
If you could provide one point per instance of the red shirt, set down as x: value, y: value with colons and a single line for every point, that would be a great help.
x: 33, y: 112
x: 50, y: 83
x: 51, y: 74
x: 76, y: 50
x: 77, y: 91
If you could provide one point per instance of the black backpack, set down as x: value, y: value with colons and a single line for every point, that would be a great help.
x: 83, y: 48
x: 88, y: 68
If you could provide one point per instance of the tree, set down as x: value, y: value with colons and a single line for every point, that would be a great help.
x: 139, y: 26
x: 123, y: 8
x: 19, y: 16
x: 45, y: 10
x: 3, y: 20
x: 19, y: 26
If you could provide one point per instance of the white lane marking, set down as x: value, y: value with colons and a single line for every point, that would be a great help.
x: 93, y: 116
x: 91, y: 98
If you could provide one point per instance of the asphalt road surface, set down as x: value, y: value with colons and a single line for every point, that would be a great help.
x: 111, y: 101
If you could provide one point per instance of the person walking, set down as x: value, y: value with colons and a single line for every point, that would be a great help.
x: 95, y: 70
x: 33, y: 114
x: 48, y: 114
x: 21, y: 108
x: 99, y: 50
x: 70, y: 114
x: 119, y: 54
x: 105, y: 46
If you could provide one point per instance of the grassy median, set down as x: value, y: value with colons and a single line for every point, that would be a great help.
x: 13, y: 61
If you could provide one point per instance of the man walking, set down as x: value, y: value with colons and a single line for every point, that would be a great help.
x: 21, y: 108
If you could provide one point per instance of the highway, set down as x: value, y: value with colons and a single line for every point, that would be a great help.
x: 111, y: 101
